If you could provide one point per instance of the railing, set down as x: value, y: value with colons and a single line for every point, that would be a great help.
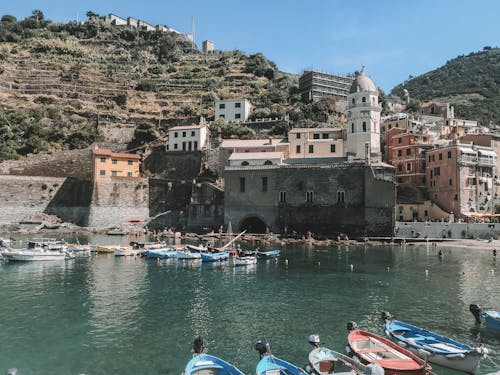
x: 476, y: 160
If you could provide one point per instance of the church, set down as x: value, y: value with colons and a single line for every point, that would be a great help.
x: 352, y: 193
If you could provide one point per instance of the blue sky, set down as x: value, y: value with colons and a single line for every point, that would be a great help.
x: 393, y: 39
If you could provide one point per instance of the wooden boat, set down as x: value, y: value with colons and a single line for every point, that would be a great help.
x: 104, y: 249
x: 323, y: 361
x: 271, y: 365
x: 163, y: 253
x: 125, y: 251
x: 186, y: 254
x: 268, y: 254
x: 243, y: 261
x: 214, y: 257
x: 36, y: 254
x: 491, y: 317
x: 433, y: 347
x: 205, y: 364
x: 395, y: 360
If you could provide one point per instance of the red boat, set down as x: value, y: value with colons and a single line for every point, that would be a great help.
x: 371, y: 348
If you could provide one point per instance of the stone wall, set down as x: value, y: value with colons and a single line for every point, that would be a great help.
x: 167, y: 195
x: 206, y: 210
x: 175, y: 165
x: 447, y: 230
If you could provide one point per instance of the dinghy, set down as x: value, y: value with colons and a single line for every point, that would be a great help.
x: 434, y: 347
x: 214, y: 257
x: 491, y: 317
x: 268, y: 254
x: 244, y: 261
x: 205, y: 364
x: 395, y: 360
x: 271, y: 365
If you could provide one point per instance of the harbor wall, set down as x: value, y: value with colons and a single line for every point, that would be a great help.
x: 447, y: 230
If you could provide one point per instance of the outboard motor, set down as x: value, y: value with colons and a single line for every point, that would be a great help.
x: 476, y: 311
x: 12, y: 371
x: 352, y: 326
x: 198, y: 345
x: 314, y: 341
x: 263, y: 347
x: 386, y: 316
x: 374, y: 369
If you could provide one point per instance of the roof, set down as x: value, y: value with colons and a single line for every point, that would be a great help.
x: 256, y: 155
x: 233, y: 100
x: 233, y: 143
x: 467, y: 150
x: 297, y: 130
x: 362, y: 83
x: 187, y: 127
x: 488, y: 153
x: 105, y: 152
x: 332, y: 160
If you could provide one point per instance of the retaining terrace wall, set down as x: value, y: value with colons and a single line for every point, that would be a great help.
x: 447, y: 230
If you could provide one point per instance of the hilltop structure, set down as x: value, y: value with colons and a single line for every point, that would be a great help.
x: 314, y: 85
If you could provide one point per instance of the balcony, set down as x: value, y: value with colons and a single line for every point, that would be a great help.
x: 365, y: 105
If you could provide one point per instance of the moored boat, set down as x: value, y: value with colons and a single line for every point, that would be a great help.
x: 36, y: 254
x: 125, y: 251
x: 163, y: 253
x: 268, y: 254
x: 197, y: 248
x: 243, y: 261
x: 205, y: 364
x: 490, y: 317
x: 271, y: 365
x: 395, y: 360
x: 433, y: 347
x: 214, y: 257
x: 186, y: 254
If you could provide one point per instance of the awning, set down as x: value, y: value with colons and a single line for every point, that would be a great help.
x: 467, y: 150
x: 489, y: 153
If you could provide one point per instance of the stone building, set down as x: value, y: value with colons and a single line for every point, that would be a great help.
x: 314, y: 85
x: 208, y: 46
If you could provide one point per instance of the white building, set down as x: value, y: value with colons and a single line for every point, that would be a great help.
x: 233, y: 110
x: 363, y: 120
x: 187, y: 138
x: 255, y: 158
x: 208, y: 46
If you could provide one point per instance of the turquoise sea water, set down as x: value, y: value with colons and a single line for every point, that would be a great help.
x: 107, y: 315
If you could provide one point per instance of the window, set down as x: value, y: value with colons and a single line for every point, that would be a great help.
x: 363, y: 99
x: 298, y: 135
x: 400, y: 152
x: 264, y: 184
x: 408, y: 167
x: 440, y: 156
x: 183, y: 134
x: 364, y: 126
x: 352, y: 128
x: 431, y: 173
x: 129, y: 174
x: 130, y: 162
x: 237, y: 105
x: 268, y: 162
x: 429, y: 158
x: 340, y: 196
x: 353, y: 101
x: 175, y: 146
x: 244, y: 163
x: 325, y: 135
x: 408, y: 151
x: 114, y: 161
x: 242, y: 184
x: 451, y: 182
x: 400, y: 140
x: 176, y: 135
x: 237, y: 115
x: 433, y: 157
x: 222, y: 106
x: 383, y: 128
x: 400, y: 167
x: 311, y: 149
x: 103, y: 160
x: 192, y: 133
x: 102, y: 172
x: 332, y: 148
x: 316, y: 135
x: 222, y: 116
x: 114, y: 174
x: 309, y: 196
x: 449, y: 154
x: 283, y: 196
x: 297, y: 149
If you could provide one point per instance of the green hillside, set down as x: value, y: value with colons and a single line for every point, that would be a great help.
x: 471, y: 83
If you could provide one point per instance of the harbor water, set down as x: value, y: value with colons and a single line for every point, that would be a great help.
x: 114, y: 315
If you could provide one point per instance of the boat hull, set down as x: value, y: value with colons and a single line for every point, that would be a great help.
x: 209, y: 364
x: 269, y: 254
x: 31, y: 256
x: 214, y: 257
x: 270, y: 364
x: 491, y: 319
x: 325, y: 361
x: 184, y: 254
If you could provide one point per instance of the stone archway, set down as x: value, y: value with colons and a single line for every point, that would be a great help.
x: 253, y: 224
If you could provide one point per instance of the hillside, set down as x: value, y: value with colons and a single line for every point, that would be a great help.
x: 471, y: 83
x: 64, y: 86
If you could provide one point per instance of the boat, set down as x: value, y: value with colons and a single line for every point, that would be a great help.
x: 491, y: 317
x: 186, y: 254
x: 323, y: 361
x: 271, y: 365
x: 36, y: 254
x: 47, y: 243
x: 395, y: 360
x: 125, y: 251
x: 104, y: 249
x: 433, y: 347
x: 206, y: 364
x: 116, y: 232
x: 268, y: 254
x: 214, y: 257
x: 243, y: 261
x: 163, y: 253
x: 197, y: 248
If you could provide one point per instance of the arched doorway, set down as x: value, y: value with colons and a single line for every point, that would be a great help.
x: 253, y: 224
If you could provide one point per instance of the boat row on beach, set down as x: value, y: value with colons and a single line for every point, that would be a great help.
x: 406, y: 350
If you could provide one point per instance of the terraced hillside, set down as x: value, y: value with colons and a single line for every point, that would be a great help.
x: 67, y: 85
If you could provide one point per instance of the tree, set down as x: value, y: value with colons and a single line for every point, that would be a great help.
x: 7, y: 18
x: 144, y: 133
x: 37, y: 14
x: 92, y: 15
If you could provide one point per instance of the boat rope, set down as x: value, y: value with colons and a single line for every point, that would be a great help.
x: 432, y: 373
x: 496, y: 365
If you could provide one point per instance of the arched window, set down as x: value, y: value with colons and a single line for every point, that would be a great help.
x: 268, y: 162
x: 245, y: 163
x: 363, y: 99
x: 352, y: 128
x: 353, y: 101
x: 340, y: 196
x: 364, y: 126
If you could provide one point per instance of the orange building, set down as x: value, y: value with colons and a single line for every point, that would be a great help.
x: 107, y: 164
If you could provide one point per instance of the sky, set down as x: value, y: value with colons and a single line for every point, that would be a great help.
x: 392, y: 39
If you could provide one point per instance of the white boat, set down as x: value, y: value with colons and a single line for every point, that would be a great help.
x: 243, y: 261
x: 186, y: 254
x: 196, y: 248
x: 47, y: 243
x: 29, y: 255
x: 125, y: 251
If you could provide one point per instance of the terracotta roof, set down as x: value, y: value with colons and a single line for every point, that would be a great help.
x: 105, y: 152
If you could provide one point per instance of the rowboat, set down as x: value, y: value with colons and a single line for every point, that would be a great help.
x: 196, y: 248
x: 323, y: 361
x: 395, y: 360
x: 36, y: 254
x: 491, y: 317
x: 125, y: 251
x: 433, y: 347
x: 186, y: 254
x: 268, y: 254
x: 161, y: 253
x: 205, y: 364
x: 214, y: 257
x: 271, y: 365
x: 244, y: 261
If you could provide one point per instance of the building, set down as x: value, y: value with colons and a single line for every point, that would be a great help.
x: 316, y: 142
x: 444, y: 110
x: 314, y: 85
x: 363, y: 120
x: 188, y: 138
x: 208, y: 46
x: 233, y: 109
x: 255, y: 158
x: 116, y: 20
x: 461, y: 178
x: 400, y: 121
x: 110, y: 165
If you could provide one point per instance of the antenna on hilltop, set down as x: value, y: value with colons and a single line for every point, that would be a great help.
x: 192, y: 31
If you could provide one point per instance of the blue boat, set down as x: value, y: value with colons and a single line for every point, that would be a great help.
x: 268, y: 254
x: 491, y: 317
x: 161, y: 253
x: 271, y: 365
x: 433, y: 347
x: 205, y: 364
x: 214, y: 257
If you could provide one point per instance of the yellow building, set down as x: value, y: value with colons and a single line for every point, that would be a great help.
x: 109, y: 164
x: 316, y: 142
